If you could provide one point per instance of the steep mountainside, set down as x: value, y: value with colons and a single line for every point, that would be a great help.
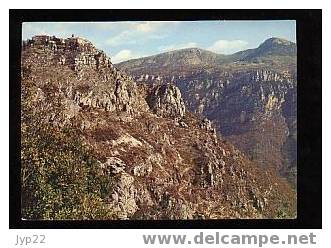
x: 98, y: 145
x: 250, y: 96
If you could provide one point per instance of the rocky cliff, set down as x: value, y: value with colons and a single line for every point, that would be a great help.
x: 117, y: 149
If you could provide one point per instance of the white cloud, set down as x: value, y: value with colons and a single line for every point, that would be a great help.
x: 120, y: 38
x: 146, y: 27
x: 124, y: 55
x: 139, y: 31
x: 177, y: 46
x: 150, y: 26
x: 228, y: 46
x: 30, y: 29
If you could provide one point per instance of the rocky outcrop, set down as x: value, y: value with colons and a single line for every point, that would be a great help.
x: 75, y: 52
x: 123, y: 201
x: 207, y: 125
x: 166, y: 100
x: 122, y: 98
x: 113, y: 166
x: 91, y: 80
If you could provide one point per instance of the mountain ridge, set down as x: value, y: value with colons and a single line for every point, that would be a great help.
x: 273, y: 42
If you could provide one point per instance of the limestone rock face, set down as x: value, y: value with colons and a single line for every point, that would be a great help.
x: 121, y: 98
x: 123, y: 196
x: 166, y: 100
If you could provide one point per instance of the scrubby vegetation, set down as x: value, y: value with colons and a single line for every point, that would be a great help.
x: 60, y: 177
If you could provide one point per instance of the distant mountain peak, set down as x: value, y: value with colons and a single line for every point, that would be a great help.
x: 181, y: 57
x: 277, y: 41
x: 270, y: 48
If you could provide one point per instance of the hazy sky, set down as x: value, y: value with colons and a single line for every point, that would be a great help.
x: 127, y: 40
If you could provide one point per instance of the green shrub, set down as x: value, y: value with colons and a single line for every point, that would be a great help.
x: 60, y: 178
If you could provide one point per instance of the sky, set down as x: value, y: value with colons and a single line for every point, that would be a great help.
x: 127, y: 40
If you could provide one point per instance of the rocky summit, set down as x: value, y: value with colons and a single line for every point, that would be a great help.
x: 100, y: 144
